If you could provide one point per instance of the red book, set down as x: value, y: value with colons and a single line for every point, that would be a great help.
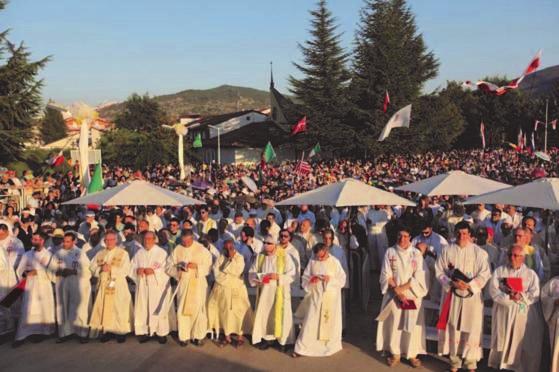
x: 266, y: 279
x: 515, y: 284
x: 408, y: 305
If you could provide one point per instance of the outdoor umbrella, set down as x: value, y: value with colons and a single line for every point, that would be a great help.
x: 453, y: 183
x: 347, y: 193
x: 542, y: 193
x: 135, y: 193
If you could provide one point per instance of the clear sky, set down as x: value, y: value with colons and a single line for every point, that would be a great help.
x: 104, y: 50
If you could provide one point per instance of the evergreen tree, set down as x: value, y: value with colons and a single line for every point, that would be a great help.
x: 390, y: 55
x: 322, y: 87
x: 53, y: 126
x: 20, y: 96
x: 141, y: 113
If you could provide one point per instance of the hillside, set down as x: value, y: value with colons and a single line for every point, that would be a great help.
x: 225, y: 98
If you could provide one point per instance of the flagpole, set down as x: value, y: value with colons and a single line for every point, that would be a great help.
x: 545, y: 140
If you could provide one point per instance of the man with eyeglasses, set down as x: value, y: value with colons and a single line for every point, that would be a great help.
x: 403, y: 282
x: 435, y: 242
x: 205, y: 223
x: 272, y: 273
x: 285, y: 244
x: 532, y: 256
x: 463, y: 270
x: 174, y: 229
x: 514, y: 289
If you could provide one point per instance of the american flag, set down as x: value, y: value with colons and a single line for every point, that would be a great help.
x: 303, y: 168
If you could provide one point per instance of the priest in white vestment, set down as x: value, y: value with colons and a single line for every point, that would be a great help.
x: 463, y: 270
x: 112, y: 309
x: 550, y: 305
x: 514, y: 288
x: 228, y: 305
x: 7, y: 282
x: 404, y: 283
x: 285, y: 244
x: 37, y: 306
x: 73, y: 289
x: 323, y: 280
x: 153, y: 291
x: 11, y: 245
x: 190, y: 264
x: 272, y: 273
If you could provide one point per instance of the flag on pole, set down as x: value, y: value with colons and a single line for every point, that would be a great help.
x: 386, y: 102
x: 84, y: 153
x: 303, y: 168
x: 197, y: 141
x: 57, y: 160
x: 269, y: 154
x: 401, y: 119
x: 482, y: 133
x: 300, y: 127
x: 534, y: 63
x: 554, y: 124
x: 96, y: 183
x: 315, y: 150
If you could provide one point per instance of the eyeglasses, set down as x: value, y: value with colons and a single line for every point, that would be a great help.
x: 267, y: 243
x: 284, y: 236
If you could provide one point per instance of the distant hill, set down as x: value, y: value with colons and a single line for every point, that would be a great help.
x: 225, y: 98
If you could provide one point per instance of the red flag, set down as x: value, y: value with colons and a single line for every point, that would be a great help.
x: 386, y: 102
x: 300, y: 127
x: 482, y: 133
x: 303, y: 168
x: 534, y: 63
x: 13, y: 294
x: 57, y: 160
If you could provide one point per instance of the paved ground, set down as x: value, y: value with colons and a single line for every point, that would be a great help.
x: 357, y: 354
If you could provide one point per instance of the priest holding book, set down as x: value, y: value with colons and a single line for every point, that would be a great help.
x: 514, y: 288
x: 403, y: 282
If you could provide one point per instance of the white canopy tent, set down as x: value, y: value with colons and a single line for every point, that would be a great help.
x: 453, y: 183
x: 347, y: 193
x: 542, y: 193
x: 136, y: 193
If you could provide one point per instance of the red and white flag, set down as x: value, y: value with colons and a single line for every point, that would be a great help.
x: 57, y: 160
x: 386, y: 102
x: 300, y: 127
x: 534, y: 63
x: 303, y: 168
x: 482, y: 133
x: 554, y: 124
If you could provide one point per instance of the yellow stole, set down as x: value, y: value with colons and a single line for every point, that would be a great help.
x: 278, y: 305
x: 103, y: 311
x: 190, y: 304
x: 326, y: 307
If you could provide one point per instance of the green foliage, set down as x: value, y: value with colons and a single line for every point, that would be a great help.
x: 390, y: 55
x: 53, y: 126
x: 322, y: 88
x: 128, y: 148
x: 20, y: 96
x: 141, y: 113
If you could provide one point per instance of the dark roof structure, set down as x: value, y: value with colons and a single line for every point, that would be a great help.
x: 254, y: 135
x: 541, y: 82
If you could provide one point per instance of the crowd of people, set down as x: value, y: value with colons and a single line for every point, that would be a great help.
x: 240, y: 266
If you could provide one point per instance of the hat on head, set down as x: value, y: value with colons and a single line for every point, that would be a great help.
x: 58, y: 233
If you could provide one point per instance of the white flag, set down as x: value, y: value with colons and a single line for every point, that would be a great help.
x: 400, y: 119
x: 84, y: 153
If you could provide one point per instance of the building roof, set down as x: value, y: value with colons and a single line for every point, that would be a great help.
x: 541, y: 82
x: 255, y: 135
x: 217, y: 119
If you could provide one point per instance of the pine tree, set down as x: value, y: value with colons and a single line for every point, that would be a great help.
x: 390, y: 55
x: 53, y: 126
x: 322, y: 88
x: 20, y: 96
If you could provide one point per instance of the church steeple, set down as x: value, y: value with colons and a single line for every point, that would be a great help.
x: 271, y: 75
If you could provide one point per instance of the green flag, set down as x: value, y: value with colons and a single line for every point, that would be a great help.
x: 315, y: 150
x: 269, y: 153
x: 197, y: 141
x: 96, y: 183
